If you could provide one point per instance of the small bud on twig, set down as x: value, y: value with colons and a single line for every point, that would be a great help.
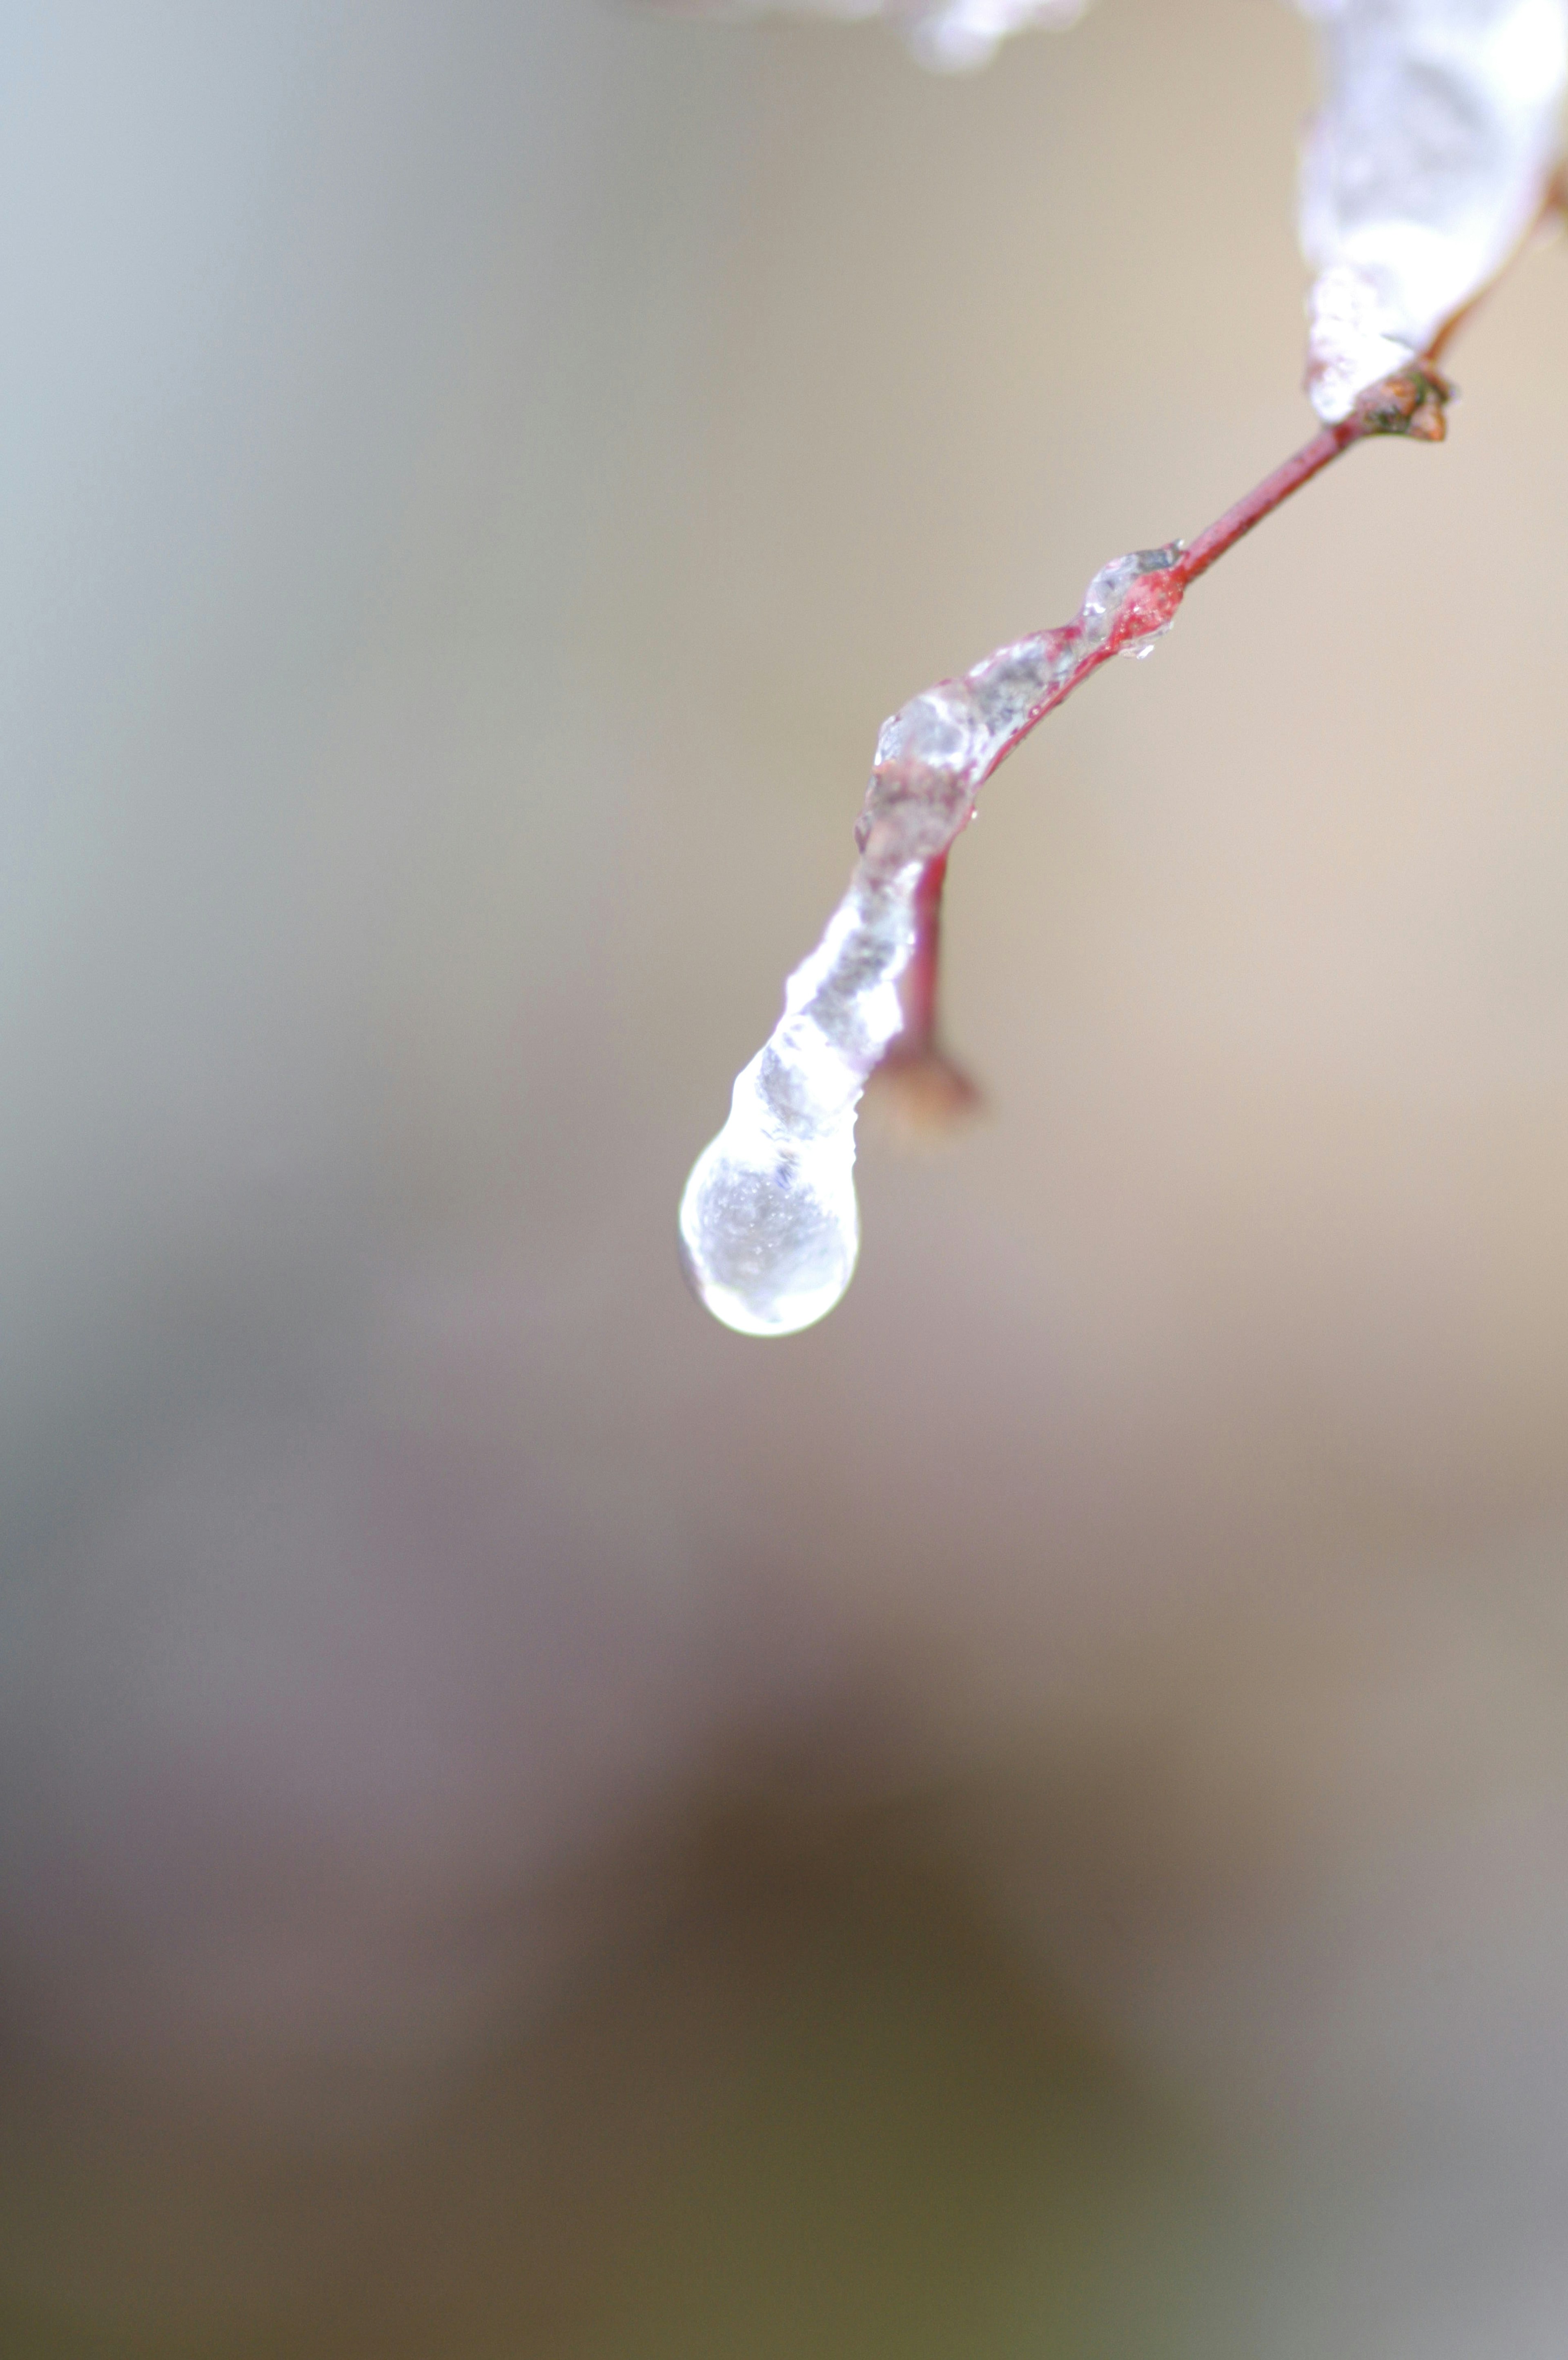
x: 1410, y: 402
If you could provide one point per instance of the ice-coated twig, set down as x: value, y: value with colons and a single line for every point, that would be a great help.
x: 1428, y: 167
x: 769, y: 1225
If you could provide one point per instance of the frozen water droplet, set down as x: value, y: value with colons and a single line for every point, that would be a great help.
x: 769, y: 1237
x: 768, y: 1224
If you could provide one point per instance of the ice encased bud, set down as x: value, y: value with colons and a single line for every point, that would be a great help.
x: 1424, y: 168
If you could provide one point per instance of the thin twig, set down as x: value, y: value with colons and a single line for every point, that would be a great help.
x: 928, y: 1087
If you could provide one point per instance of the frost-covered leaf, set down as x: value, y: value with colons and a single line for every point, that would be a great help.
x: 1425, y: 166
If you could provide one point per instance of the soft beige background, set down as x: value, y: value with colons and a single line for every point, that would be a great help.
x: 1035, y: 1817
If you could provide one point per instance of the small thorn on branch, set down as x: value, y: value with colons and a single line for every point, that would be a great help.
x: 920, y: 1096
x: 918, y: 1093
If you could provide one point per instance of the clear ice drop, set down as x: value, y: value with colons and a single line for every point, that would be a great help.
x: 769, y: 1225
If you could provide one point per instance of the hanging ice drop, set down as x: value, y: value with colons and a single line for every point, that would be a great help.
x: 769, y: 1226
x: 769, y: 1234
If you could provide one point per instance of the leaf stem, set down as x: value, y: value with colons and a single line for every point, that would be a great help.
x: 1264, y: 498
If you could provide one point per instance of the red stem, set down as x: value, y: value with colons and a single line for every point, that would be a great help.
x: 1408, y: 403
x: 1210, y: 545
x: 1264, y: 498
x: 918, y: 986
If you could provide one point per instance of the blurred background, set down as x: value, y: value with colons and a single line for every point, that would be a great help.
x: 1032, y: 1818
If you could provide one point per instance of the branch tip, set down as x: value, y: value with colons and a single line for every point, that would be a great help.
x: 1412, y: 402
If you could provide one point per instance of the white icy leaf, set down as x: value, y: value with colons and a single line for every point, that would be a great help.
x: 1426, y: 164
x: 951, y: 36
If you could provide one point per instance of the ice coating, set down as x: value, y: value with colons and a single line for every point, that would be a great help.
x: 1425, y: 166
x: 768, y: 1224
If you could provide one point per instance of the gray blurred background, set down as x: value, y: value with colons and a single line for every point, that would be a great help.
x: 1032, y: 1818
